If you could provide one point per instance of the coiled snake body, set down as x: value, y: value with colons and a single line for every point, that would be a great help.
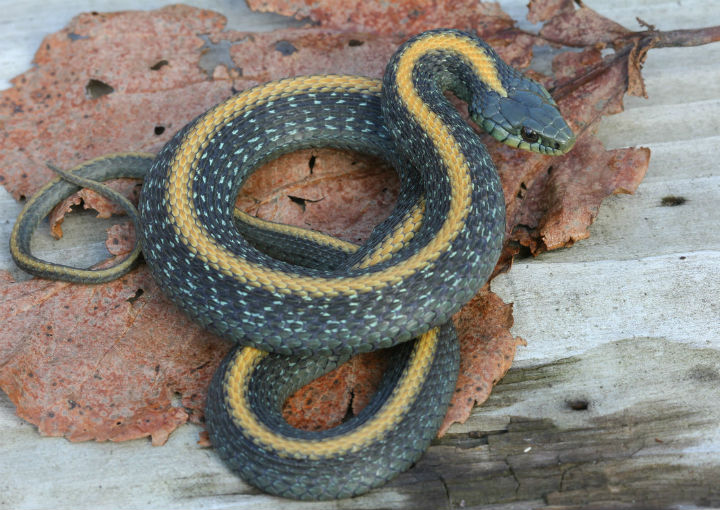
x: 298, y: 303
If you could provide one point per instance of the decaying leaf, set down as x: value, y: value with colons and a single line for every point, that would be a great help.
x: 92, y: 200
x: 326, y: 402
x: 341, y: 193
x: 582, y: 27
x: 545, y: 10
x: 402, y: 17
x: 565, y: 199
x: 118, y: 361
x: 78, y: 362
x: 51, y: 113
x: 487, y: 348
x: 120, y: 239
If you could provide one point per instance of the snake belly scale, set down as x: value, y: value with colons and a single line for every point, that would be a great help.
x: 299, y: 303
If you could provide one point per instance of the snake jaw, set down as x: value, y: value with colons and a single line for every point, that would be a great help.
x: 527, y: 138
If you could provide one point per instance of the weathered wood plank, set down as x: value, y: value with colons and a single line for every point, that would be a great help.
x: 577, y: 430
x: 673, y: 296
x: 682, y: 122
x: 565, y: 431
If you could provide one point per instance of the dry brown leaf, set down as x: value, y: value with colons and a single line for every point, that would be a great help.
x: 636, y: 59
x: 72, y: 123
x: 543, y: 10
x: 401, y: 17
x: 341, y: 193
x: 582, y: 27
x: 293, y: 52
x: 487, y: 349
x: 77, y: 360
x: 120, y: 239
x: 326, y: 402
x: 564, y: 200
x: 92, y: 200
x: 163, y: 74
x: 566, y: 66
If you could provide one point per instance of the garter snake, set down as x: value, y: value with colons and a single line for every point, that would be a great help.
x: 297, y: 302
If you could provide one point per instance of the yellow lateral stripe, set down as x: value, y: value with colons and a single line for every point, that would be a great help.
x: 187, y: 226
x: 404, y: 394
x: 29, y: 261
x: 402, y: 234
x: 413, y: 377
x: 304, y: 233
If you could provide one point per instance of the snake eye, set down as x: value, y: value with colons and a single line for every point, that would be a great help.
x: 529, y: 135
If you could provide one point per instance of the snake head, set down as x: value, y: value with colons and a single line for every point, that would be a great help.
x: 527, y: 118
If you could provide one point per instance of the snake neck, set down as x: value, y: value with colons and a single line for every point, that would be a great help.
x: 422, y: 70
x: 427, y: 129
x: 430, y: 133
x: 449, y: 59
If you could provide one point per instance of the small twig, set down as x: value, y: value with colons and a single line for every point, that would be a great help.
x: 688, y: 37
x: 645, y: 24
x: 639, y: 41
x: 589, y: 74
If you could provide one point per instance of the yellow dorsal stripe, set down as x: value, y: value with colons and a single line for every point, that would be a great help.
x: 414, y: 376
x: 189, y: 229
x: 404, y: 394
x: 403, y: 232
x: 471, y: 52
